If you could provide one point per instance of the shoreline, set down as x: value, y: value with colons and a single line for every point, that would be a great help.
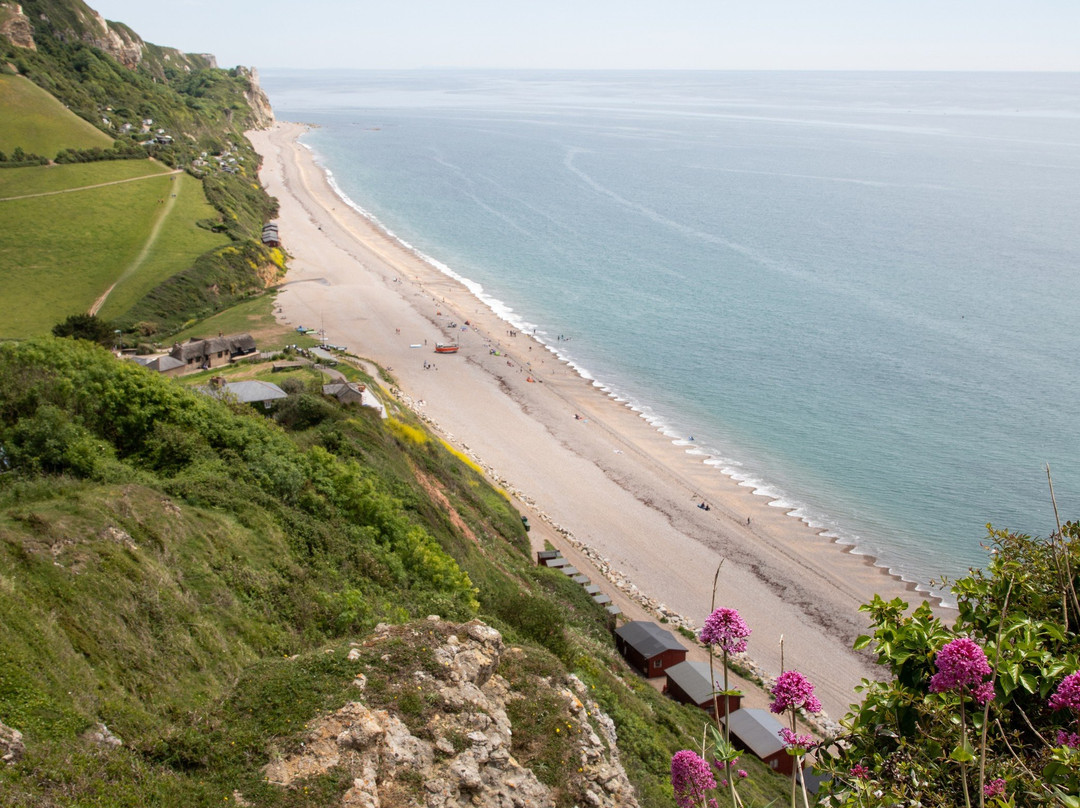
x: 593, y: 464
x: 703, y: 456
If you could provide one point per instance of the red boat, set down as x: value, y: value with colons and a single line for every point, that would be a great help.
x: 441, y: 347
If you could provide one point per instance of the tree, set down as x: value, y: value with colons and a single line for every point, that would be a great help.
x: 88, y: 327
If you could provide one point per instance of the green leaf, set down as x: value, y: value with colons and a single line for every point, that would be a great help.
x: 1029, y: 681
x: 963, y: 753
x: 862, y: 641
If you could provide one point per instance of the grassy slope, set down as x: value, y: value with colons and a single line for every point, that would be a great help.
x: 178, y: 244
x: 163, y: 593
x: 64, y: 250
x: 16, y: 182
x: 255, y: 317
x: 39, y: 123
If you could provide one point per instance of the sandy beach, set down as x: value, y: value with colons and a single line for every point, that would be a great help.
x: 582, y: 463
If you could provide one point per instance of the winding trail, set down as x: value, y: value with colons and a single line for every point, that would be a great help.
x: 155, y: 230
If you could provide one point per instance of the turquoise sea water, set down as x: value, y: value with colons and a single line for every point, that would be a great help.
x: 856, y: 291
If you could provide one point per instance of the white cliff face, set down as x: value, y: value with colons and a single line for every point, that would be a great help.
x: 123, y: 46
x: 464, y: 756
x: 257, y: 99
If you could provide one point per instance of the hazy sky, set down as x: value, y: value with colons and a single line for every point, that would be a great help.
x: 695, y: 34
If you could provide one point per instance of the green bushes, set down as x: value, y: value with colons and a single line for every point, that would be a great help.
x: 928, y: 735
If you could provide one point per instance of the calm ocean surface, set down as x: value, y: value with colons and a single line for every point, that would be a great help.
x: 856, y: 291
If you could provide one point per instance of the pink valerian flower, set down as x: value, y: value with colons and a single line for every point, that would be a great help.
x: 1067, y: 695
x: 995, y: 788
x: 984, y: 693
x: 962, y: 666
x: 860, y: 772
x: 1070, y: 739
x: 691, y: 777
x: 791, y: 740
x: 742, y: 774
x: 793, y: 690
x: 724, y: 627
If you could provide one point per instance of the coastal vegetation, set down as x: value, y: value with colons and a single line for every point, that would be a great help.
x: 190, y: 574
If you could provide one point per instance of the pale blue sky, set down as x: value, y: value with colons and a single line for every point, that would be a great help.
x: 660, y: 34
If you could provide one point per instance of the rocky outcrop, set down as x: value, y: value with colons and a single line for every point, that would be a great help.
x: 262, y: 113
x: 120, y: 42
x: 12, y: 748
x: 463, y: 753
x: 15, y: 25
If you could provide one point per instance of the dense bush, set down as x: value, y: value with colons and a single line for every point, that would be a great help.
x: 969, y: 713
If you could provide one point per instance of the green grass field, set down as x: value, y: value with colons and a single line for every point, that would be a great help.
x: 61, y: 252
x: 255, y: 317
x: 45, y: 179
x: 177, y: 245
x: 39, y: 123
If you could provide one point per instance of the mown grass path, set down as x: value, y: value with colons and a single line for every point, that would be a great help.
x: 155, y: 230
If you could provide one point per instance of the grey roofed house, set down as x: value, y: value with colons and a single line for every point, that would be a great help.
x: 648, y: 638
x: 252, y: 392
x: 159, y: 364
x: 758, y: 730
x: 693, y: 679
x: 163, y: 364
x: 345, y: 391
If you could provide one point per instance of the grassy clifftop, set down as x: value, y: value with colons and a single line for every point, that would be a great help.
x: 105, y: 97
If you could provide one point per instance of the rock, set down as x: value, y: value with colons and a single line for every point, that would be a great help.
x: 101, y: 735
x: 354, y: 655
x: 16, y: 26
x: 471, y: 761
x: 12, y: 747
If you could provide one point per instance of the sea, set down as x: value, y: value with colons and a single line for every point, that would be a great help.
x: 853, y: 292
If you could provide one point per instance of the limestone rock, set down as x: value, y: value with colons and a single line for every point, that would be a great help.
x: 12, y: 748
x: 15, y: 25
x: 463, y: 753
x: 102, y: 736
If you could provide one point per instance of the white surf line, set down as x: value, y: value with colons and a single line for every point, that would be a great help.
x: 170, y: 201
x: 89, y: 187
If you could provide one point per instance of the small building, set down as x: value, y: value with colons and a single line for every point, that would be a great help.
x: 254, y: 392
x: 354, y: 392
x: 648, y: 648
x: 270, y: 235
x: 689, y: 683
x: 758, y: 732
x: 544, y: 557
x: 345, y: 392
x: 165, y: 365
x: 202, y: 354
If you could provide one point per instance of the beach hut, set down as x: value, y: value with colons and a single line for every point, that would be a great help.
x: 689, y: 683
x: 648, y: 648
x: 758, y: 732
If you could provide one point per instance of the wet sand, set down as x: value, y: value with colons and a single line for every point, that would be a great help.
x: 583, y: 464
